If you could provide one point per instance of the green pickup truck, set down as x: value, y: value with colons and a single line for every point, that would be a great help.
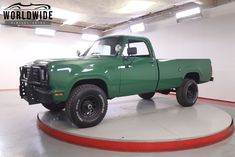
x: 112, y: 67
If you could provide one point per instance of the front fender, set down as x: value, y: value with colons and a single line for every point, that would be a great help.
x: 64, y: 77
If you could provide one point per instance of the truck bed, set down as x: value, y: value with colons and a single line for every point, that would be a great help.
x: 173, y: 71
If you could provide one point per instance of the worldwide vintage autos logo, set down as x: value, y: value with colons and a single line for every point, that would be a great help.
x: 30, y: 15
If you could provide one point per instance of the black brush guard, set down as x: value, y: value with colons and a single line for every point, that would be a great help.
x: 34, y: 85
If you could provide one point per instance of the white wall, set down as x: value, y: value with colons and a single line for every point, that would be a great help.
x: 19, y: 46
x: 211, y: 37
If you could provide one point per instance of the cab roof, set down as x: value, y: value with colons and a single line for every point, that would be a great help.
x: 125, y: 36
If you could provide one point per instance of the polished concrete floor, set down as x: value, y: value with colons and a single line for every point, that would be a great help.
x: 170, y: 123
x: 20, y: 137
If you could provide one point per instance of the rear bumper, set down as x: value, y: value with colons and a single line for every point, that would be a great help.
x: 33, y: 94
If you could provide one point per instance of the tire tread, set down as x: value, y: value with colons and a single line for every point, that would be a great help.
x: 74, y: 93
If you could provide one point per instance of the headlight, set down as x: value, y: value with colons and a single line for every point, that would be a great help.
x: 44, y: 74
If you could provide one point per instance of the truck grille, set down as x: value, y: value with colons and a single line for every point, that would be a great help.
x: 31, y: 79
x: 34, y: 74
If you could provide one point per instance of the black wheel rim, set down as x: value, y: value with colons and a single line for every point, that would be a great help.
x: 90, y: 107
x: 192, y: 92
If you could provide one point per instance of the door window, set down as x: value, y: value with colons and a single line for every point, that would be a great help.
x: 142, y: 49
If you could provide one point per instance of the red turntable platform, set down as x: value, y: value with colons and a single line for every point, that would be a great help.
x: 136, y: 125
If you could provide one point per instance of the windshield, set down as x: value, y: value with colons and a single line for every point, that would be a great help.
x: 103, y: 47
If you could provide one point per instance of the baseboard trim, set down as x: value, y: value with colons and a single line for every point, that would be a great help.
x: 12, y: 89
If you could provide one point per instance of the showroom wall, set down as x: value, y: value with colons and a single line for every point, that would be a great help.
x: 212, y: 37
x: 19, y: 46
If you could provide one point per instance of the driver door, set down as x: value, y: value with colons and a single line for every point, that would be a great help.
x: 138, y: 71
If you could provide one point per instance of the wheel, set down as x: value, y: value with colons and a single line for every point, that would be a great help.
x: 187, y: 93
x: 54, y: 107
x: 86, y: 106
x: 147, y: 95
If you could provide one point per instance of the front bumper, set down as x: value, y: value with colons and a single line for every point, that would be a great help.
x: 34, y: 94
x: 32, y: 89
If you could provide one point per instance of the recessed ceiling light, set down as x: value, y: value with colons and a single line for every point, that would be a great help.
x: 136, y: 6
x: 70, y: 21
x: 69, y: 16
x: 189, y: 12
x: 64, y: 14
x: 46, y: 32
x: 90, y: 37
x: 137, y: 28
x: 188, y: 1
x: 198, y: 2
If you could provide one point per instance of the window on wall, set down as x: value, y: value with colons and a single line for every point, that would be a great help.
x: 142, y: 49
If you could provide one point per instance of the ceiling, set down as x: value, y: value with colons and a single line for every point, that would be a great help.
x: 103, y: 15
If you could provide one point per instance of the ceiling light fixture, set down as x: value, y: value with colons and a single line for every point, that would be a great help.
x: 188, y: 1
x: 137, y: 28
x: 187, y: 13
x: 70, y: 21
x: 198, y: 2
x: 136, y: 6
x: 69, y: 16
x: 63, y: 14
x: 46, y: 32
x: 90, y: 37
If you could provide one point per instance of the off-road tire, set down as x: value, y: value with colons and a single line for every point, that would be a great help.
x: 187, y: 93
x: 86, y: 106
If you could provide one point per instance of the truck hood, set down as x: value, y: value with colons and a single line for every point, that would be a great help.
x: 78, y: 60
x: 47, y: 61
x: 70, y: 62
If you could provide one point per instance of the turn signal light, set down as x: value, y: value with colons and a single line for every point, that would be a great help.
x: 58, y: 94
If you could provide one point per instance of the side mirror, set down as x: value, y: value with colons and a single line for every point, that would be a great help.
x: 78, y: 53
x: 131, y: 51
